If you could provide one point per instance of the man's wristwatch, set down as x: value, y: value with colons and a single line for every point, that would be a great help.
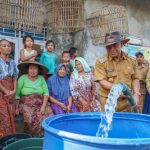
x: 138, y: 93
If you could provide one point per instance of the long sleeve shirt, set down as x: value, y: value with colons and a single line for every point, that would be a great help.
x: 27, y: 87
x: 8, y: 68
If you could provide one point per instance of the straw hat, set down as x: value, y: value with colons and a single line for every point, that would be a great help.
x: 23, y: 67
x: 114, y: 37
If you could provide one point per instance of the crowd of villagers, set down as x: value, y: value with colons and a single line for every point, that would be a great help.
x: 39, y: 89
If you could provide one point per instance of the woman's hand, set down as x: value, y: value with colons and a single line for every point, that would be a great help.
x: 17, y: 111
x: 10, y: 93
x: 94, y: 97
x: 68, y: 108
x: 42, y: 110
x: 6, y: 92
x: 63, y: 106
x: 35, y: 54
x: 85, y: 105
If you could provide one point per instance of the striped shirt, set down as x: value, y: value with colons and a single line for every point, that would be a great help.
x: 8, y: 68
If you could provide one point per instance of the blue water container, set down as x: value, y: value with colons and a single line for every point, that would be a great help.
x: 77, y: 132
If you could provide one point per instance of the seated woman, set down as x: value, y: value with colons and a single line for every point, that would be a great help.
x: 33, y: 94
x: 59, y: 92
x: 83, y: 87
x: 8, y: 80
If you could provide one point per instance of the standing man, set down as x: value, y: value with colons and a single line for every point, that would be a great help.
x: 146, y: 108
x: 142, y: 67
x: 116, y: 66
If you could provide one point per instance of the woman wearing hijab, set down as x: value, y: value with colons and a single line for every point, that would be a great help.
x: 83, y: 87
x: 59, y: 92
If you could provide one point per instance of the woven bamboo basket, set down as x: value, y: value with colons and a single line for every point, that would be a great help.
x: 114, y: 2
x: 65, y: 16
x: 24, y: 15
x: 108, y: 19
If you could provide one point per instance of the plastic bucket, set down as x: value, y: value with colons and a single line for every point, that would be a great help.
x: 77, y: 132
x: 12, y: 138
x: 26, y: 144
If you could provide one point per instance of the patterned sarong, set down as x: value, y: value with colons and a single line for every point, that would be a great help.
x: 7, y: 125
x: 30, y: 108
x: 58, y: 110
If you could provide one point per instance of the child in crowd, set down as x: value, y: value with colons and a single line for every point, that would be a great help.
x: 49, y: 58
x: 92, y: 70
x: 73, y: 54
x: 28, y: 54
x: 66, y: 62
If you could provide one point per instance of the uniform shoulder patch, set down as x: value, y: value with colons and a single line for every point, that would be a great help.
x: 103, y: 58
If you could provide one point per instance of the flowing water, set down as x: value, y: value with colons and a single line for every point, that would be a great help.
x: 107, y: 116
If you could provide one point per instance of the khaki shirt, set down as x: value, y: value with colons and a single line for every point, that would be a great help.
x: 142, y: 71
x: 148, y: 81
x: 113, y: 71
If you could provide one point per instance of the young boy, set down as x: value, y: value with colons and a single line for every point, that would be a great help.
x: 66, y: 61
x: 73, y: 54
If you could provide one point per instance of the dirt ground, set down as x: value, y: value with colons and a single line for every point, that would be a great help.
x: 19, y: 124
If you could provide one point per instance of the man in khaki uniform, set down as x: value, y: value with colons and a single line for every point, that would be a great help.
x: 116, y: 66
x: 146, y: 108
x: 148, y: 81
x: 142, y: 68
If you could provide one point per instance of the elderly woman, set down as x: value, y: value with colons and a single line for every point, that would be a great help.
x: 83, y: 87
x: 8, y: 80
x: 59, y: 91
x: 32, y: 92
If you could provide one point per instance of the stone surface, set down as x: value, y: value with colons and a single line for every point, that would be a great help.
x: 138, y: 20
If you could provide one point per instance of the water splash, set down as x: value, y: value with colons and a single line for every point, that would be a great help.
x: 107, y: 116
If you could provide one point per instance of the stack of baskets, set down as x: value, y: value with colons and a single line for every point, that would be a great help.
x: 22, y: 14
x: 65, y: 16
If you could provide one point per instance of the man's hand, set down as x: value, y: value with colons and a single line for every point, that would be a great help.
x: 136, y: 98
x: 122, y: 95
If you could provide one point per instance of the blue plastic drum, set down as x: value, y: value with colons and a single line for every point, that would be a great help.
x: 77, y: 132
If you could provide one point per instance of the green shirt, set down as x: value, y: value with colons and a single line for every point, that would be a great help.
x: 27, y: 87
